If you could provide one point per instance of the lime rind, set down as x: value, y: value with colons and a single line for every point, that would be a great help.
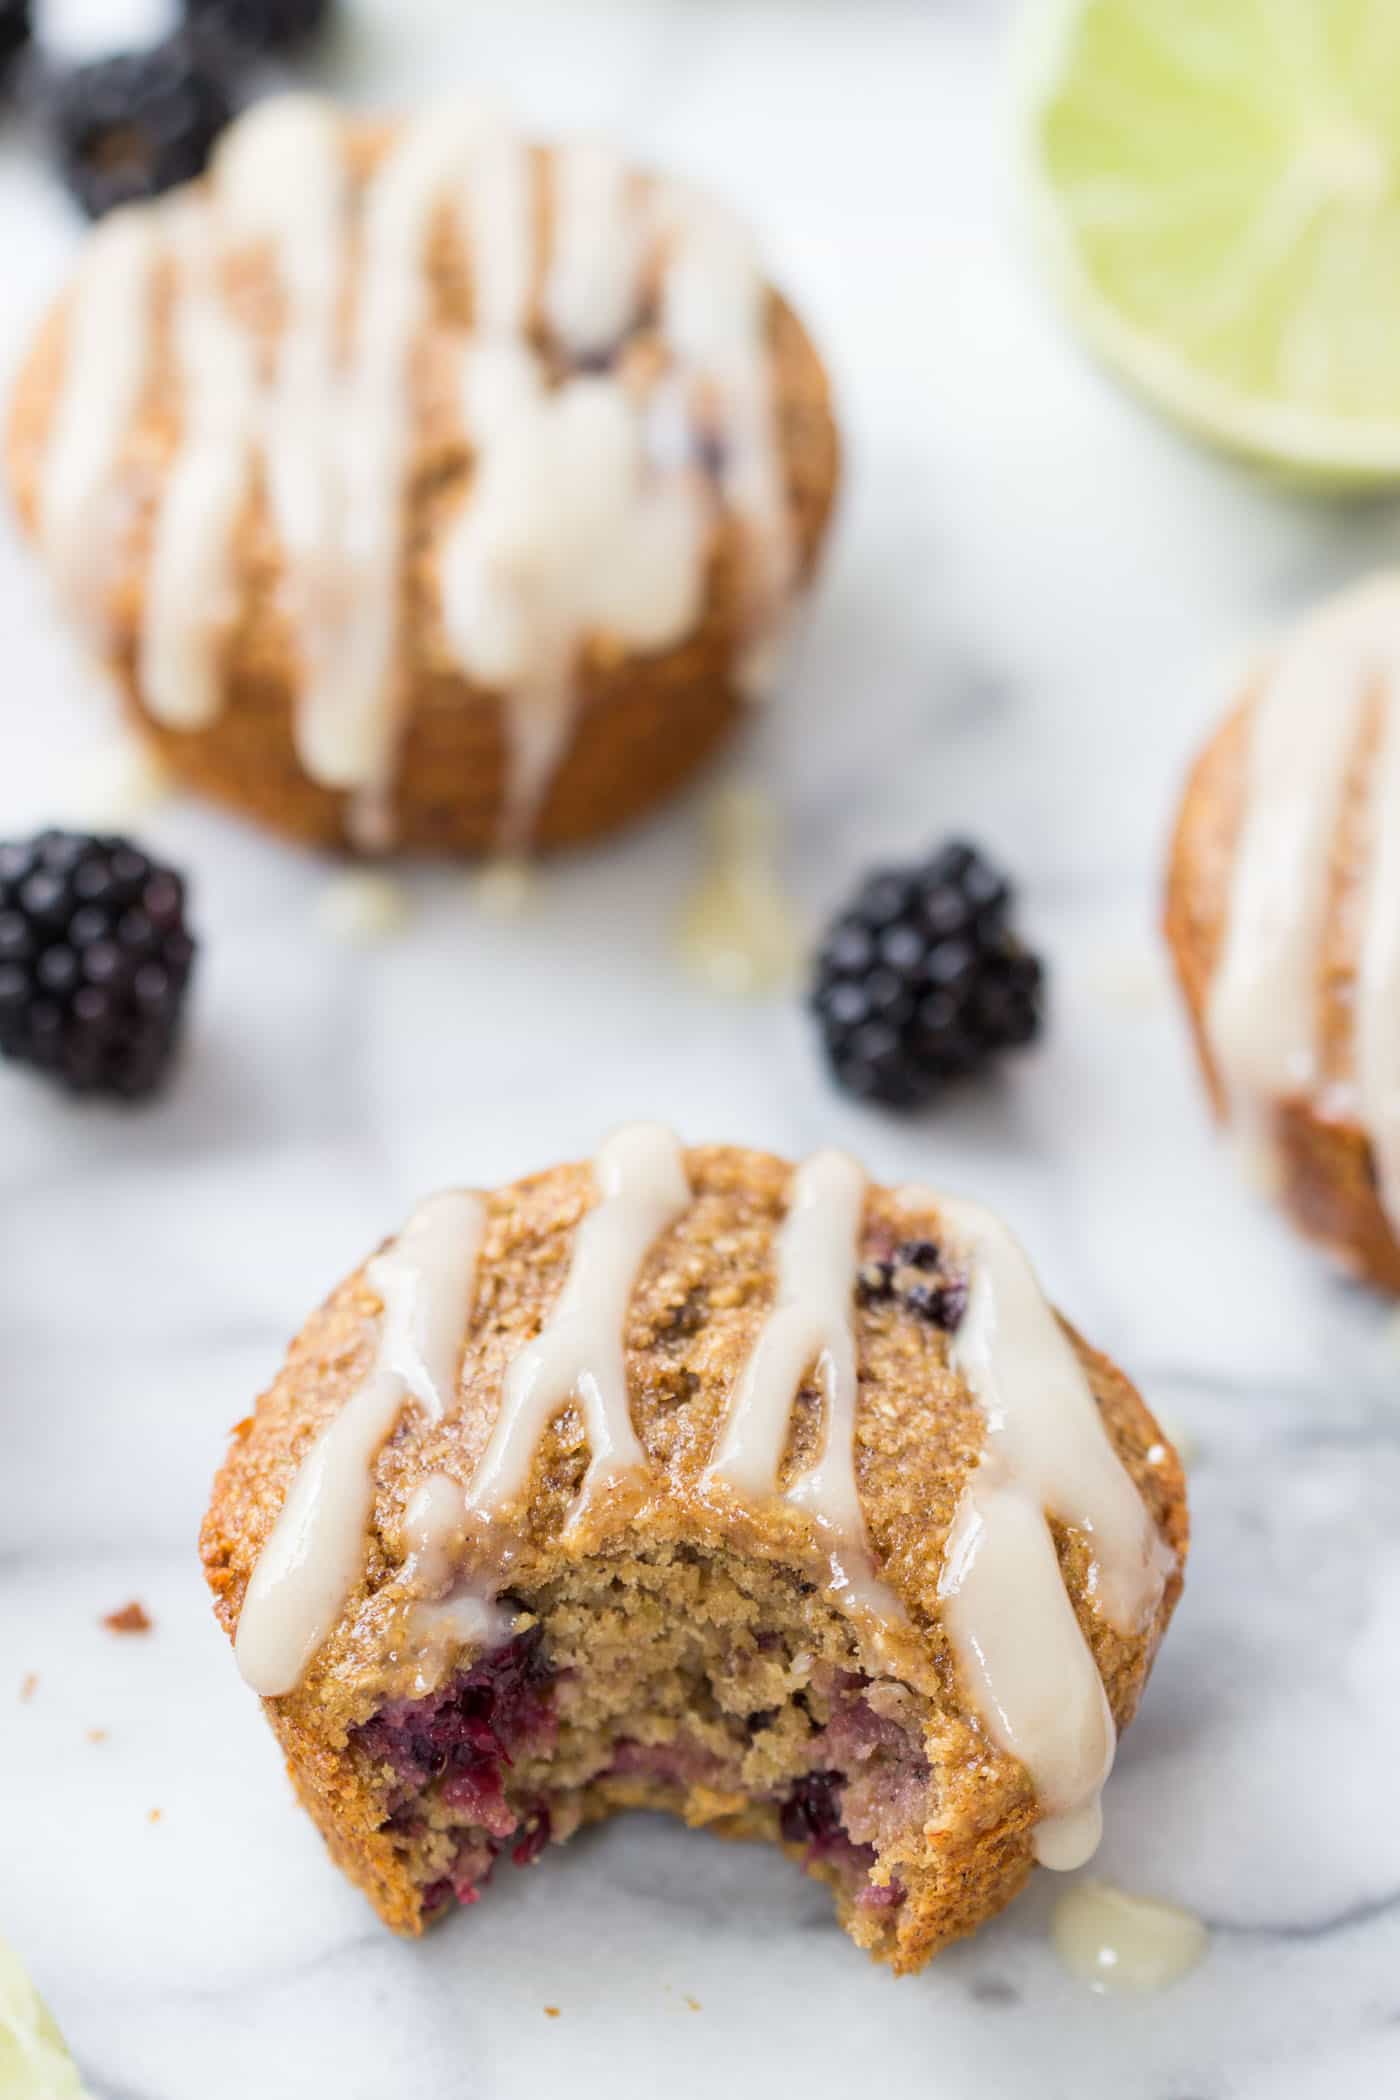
x: 1197, y: 262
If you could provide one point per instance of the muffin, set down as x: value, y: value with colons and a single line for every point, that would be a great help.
x: 691, y: 1481
x: 1283, y: 917
x: 423, y: 487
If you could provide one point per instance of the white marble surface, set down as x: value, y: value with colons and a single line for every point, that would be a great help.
x: 1035, y: 596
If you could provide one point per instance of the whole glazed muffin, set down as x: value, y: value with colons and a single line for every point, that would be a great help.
x: 424, y: 487
x: 1283, y: 916
x: 692, y: 1481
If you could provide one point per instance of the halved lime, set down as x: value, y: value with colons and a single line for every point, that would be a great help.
x: 1219, y: 184
x: 34, y: 2065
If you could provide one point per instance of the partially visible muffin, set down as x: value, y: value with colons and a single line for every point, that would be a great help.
x: 693, y: 1481
x: 1283, y: 917
x: 426, y: 488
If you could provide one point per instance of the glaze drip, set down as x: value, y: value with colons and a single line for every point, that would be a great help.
x: 347, y: 722
x: 642, y: 1191
x: 190, y: 596
x: 451, y: 1612
x: 1262, y: 1014
x: 281, y: 182
x: 1378, y: 981
x: 1119, y: 1943
x: 1017, y: 1642
x: 565, y: 533
x: 581, y: 524
x: 315, y: 1554
x: 600, y: 247
x: 105, y: 364
x: 810, y: 1328
x: 714, y: 312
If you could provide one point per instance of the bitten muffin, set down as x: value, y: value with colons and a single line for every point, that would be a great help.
x: 1283, y: 917
x: 689, y: 1480
x: 424, y: 487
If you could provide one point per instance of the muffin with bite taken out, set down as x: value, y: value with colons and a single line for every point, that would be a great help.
x: 689, y: 1480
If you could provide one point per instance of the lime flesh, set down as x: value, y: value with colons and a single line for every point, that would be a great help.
x: 1219, y: 181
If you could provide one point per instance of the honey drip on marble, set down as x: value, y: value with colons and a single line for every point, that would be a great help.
x: 740, y: 933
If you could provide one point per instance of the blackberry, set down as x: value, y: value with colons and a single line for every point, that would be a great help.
x: 260, y: 25
x: 95, y: 959
x: 16, y: 28
x: 913, y: 1275
x: 812, y: 1809
x: 921, y: 981
x: 131, y: 126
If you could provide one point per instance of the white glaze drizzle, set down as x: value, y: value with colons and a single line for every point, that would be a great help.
x: 495, y: 204
x: 1378, y: 977
x: 190, y: 597
x: 810, y: 1326
x: 280, y: 179
x: 313, y: 1557
x: 106, y: 360
x: 433, y: 1529
x: 566, y: 532
x: 642, y: 1189
x: 347, y: 719
x: 1262, y: 1010
x: 1262, y: 1013
x: 714, y: 300
x: 1014, y: 1634
x: 564, y: 535
x: 599, y: 248
x: 452, y: 1613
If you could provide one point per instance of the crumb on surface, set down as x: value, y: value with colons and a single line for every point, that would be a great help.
x: 154, y: 1815
x: 507, y: 886
x: 693, y: 2003
x: 29, y: 1687
x: 551, y: 2012
x: 361, y: 905
x: 116, y: 783
x: 97, y: 1735
x: 132, y: 1618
